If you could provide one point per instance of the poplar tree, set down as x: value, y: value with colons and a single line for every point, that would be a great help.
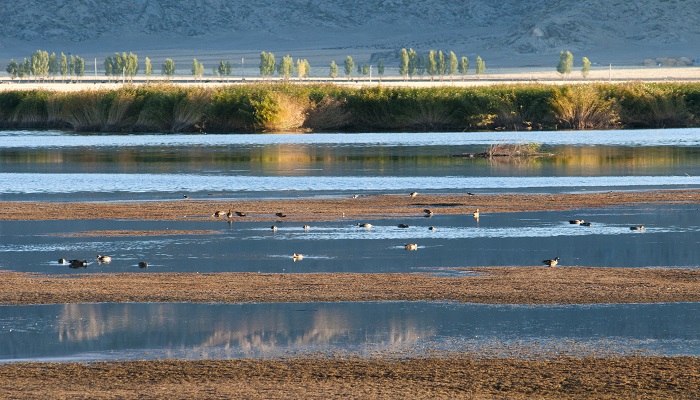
x: 12, y: 69
x: 197, y: 69
x: 307, y: 68
x: 480, y: 66
x: 349, y: 65
x: 53, y: 66
x: 301, y: 68
x: 40, y: 64
x: 109, y: 65
x: 403, y: 65
x: 586, y: 67
x: 64, y: 66
x: 432, y: 66
x: 464, y: 66
x: 334, y: 70
x: 285, y: 68
x: 442, y: 65
x: 380, y: 69
x: 566, y: 63
x: 453, y: 64
x: 267, y: 64
x: 148, y: 67
x: 412, y: 62
x: 78, y: 66
x: 168, y: 68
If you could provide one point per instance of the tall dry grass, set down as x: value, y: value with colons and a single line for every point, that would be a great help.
x: 584, y: 107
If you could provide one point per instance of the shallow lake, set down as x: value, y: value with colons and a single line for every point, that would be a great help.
x: 671, y: 239
x: 57, y: 166
x: 106, y: 331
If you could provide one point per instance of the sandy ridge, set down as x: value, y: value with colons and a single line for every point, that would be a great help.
x: 492, y: 285
x: 329, y: 209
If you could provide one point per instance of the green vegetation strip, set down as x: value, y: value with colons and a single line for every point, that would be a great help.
x: 269, y: 107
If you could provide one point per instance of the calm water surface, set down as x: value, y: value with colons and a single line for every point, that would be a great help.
x: 106, y: 331
x: 671, y: 239
x: 57, y: 166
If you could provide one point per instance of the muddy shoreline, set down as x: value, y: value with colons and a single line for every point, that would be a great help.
x: 330, y: 209
x: 459, y: 376
x: 492, y: 285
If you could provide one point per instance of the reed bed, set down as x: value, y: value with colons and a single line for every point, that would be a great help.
x: 273, y: 107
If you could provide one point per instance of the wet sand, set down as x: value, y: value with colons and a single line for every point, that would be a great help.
x: 460, y: 376
x: 329, y: 209
x: 492, y: 285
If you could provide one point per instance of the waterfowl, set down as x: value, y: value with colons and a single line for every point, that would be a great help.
x: 364, y: 225
x: 551, y: 263
x: 354, y: 196
x: 281, y: 215
x: 143, y: 264
x: 637, y: 228
x: 586, y: 224
x: 476, y: 214
x: 470, y: 194
x: 240, y: 214
x: 62, y: 261
x: 403, y: 225
x: 576, y: 221
x: 413, y: 194
x: 428, y: 212
x: 411, y: 246
x: 184, y: 196
x: 229, y: 214
x: 219, y: 214
x: 307, y: 227
x: 78, y: 263
x: 104, y: 259
x: 432, y: 228
x: 297, y: 257
x: 274, y: 228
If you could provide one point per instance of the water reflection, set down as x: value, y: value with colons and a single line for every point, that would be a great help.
x: 182, y: 330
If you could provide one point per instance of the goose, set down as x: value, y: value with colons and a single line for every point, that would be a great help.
x: 432, y: 228
x: 470, y: 194
x: 240, y: 214
x: 184, y: 196
x: 297, y: 257
x: 576, y: 221
x: 62, y: 261
x: 637, y: 228
x: 586, y: 224
x: 476, y: 214
x: 219, y: 214
x: 551, y: 263
x: 307, y: 227
x: 78, y: 263
x: 143, y: 264
x: 413, y: 194
x: 355, y: 196
x: 229, y: 214
x: 104, y: 259
x: 428, y: 212
x: 403, y: 225
x: 274, y: 228
x: 281, y: 215
x: 411, y: 246
x: 365, y: 225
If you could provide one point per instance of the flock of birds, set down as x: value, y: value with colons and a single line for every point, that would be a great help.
x: 101, y: 259
x: 104, y: 259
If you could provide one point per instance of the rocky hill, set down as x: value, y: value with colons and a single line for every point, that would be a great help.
x: 520, y: 32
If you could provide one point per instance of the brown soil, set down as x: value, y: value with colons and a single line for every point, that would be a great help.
x: 379, y: 206
x: 493, y: 285
x: 322, y: 378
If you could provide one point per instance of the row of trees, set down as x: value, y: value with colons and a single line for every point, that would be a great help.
x: 566, y: 64
x: 41, y: 65
x: 436, y: 63
x: 285, y: 68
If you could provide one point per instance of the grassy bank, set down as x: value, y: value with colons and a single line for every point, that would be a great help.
x: 329, y: 108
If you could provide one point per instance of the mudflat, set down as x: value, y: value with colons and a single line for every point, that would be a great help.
x: 456, y: 376
x: 493, y: 285
x: 329, y: 209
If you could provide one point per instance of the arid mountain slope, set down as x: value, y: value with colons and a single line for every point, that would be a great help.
x: 511, y: 31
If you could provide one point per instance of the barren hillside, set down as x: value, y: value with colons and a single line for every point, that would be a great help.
x: 506, y: 32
